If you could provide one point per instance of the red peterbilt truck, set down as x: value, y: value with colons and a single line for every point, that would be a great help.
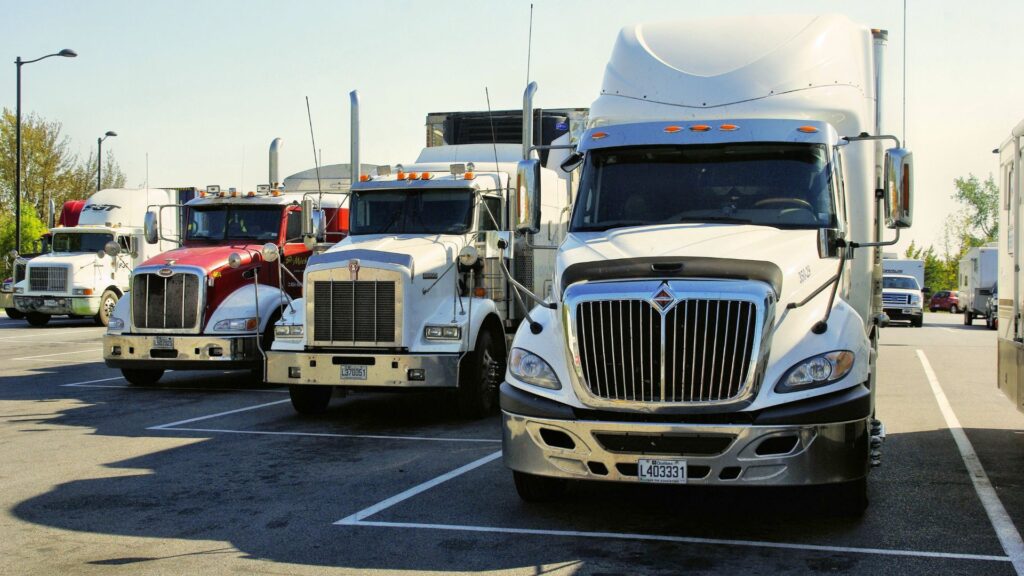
x: 207, y: 304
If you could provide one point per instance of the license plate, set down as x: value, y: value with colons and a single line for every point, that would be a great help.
x: 352, y: 372
x: 50, y: 303
x: 662, y: 471
x: 163, y: 342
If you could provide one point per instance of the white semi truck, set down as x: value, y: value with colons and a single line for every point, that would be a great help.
x: 716, y: 302
x: 420, y: 294
x: 89, y: 265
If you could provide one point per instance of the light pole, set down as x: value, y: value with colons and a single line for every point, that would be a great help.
x: 99, y: 157
x: 18, y: 62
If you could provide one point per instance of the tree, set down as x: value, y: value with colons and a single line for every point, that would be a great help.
x: 938, y: 274
x: 980, y: 211
x: 32, y: 230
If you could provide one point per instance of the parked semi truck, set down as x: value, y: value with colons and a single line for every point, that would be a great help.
x: 88, y: 266
x: 715, y: 310
x: 978, y: 274
x: 1010, y: 330
x: 419, y: 295
x: 207, y: 304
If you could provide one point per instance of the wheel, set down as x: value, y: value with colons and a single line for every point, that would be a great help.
x: 954, y: 309
x: 917, y: 321
x: 14, y: 313
x: 932, y: 309
x: 310, y: 399
x: 480, y: 375
x: 141, y: 376
x: 532, y: 488
x: 990, y: 322
x: 37, y: 319
x: 849, y: 499
x: 968, y: 318
x: 107, y: 303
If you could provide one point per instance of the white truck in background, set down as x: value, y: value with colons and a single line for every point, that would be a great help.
x: 89, y: 265
x: 420, y: 294
x: 977, y: 275
x: 709, y: 323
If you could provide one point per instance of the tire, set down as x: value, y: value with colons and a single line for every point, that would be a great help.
x: 107, y: 303
x: 917, y: 322
x: 954, y: 309
x: 480, y: 375
x: 37, y: 319
x: 14, y: 313
x: 310, y: 399
x: 968, y: 318
x: 532, y: 488
x: 849, y: 499
x: 141, y: 376
x: 932, y: 309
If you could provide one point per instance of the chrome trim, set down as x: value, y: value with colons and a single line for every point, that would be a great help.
x: 200, y: 299
x: 55, y: 277
x: 382, y: 370
x: 342, y: 274
x: 757, y: 294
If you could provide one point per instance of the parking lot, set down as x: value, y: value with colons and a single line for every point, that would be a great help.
x: 209, y: 473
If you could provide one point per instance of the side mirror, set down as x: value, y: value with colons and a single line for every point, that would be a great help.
x: 151, y: 228
x: 926, y: 290
x: 899, y: 193
x: 314, y: 222
x: 572, y: 162
x: 528, y: 196
x: 828, y: 243
x: 112, y: 249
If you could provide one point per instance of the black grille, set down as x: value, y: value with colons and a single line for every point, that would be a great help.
x: 163, y: 303
x: 354, y: 311
x: 706, y: 347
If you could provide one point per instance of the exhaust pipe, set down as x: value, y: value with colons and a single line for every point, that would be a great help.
x: 51, y: 218
x: 354, y: 167
x: 275, y: 147
x: 531, y: 89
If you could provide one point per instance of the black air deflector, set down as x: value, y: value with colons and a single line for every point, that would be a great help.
x: 668, y: 267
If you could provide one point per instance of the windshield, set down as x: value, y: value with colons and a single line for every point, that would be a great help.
x: 770, y: 184
x: 91, y: 242
x: 261, y: 223
x: 900, y: 282
x: 411, y: 211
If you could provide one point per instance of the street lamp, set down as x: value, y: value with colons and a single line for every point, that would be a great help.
x: 99, y: 157
x: 18, y: 62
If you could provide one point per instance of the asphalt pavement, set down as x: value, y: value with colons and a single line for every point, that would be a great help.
x: 211, y: 473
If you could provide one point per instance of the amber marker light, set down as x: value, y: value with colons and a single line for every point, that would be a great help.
x: 807, y: 129
x: 401, y: 175
x: 728, y: 127
x: 700, y: 128
x: 480, y: 292
x: 426, y: 176
x: 468, y: 176
x: 364, y: 177
x: 672, y: 129
x: 598, y: 135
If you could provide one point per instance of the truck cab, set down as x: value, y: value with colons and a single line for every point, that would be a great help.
x: 903, y: 299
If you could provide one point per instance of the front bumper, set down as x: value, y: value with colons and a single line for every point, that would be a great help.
x: 6, y: 299
x: 58, y: 305
x: 903, y: 313
x: 782, y: 452
x: 381, y: 370
x: 192, y: 352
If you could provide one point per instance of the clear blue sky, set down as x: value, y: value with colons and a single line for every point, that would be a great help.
x: 203, y: 86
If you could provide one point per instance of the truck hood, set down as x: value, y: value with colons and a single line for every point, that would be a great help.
x: 793, y: 252
x: 75, y: 260
x: 421, y: 253
x: 208, y: 258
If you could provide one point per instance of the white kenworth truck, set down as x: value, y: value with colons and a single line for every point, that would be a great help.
x: 716, y: 301
x: 89, y: 265
x: 419, y: 295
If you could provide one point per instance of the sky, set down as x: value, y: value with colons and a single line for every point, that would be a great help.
x: 200, y: 88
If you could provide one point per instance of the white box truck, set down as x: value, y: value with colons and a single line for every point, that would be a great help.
x: 90, y: 264
x: 978, y: 275
x: 715, y: 309
x: 905, y: 267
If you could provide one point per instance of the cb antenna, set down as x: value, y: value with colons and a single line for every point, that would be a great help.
x: 529, y: 45
x: 494, y: 138
x: 316, y: 162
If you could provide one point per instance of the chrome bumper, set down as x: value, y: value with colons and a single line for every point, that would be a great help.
x: 58, y: 305
x: 820, y: 453
x: 382, y: 370
x: 198, y: 352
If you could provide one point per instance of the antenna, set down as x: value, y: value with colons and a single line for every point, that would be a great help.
x: 494, y: 139
x: 904, y: 135
x: 529, y: 41
x: 241, y: 179
x: 147, y: 170
x: 316, y: 162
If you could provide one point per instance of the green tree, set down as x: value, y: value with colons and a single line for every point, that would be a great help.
x: 979, y: 221
x: 938, y: 275
x: 32, y: 230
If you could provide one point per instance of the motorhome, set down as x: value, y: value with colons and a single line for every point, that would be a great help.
x: 1010, y: 330
x: 977, y: 274
x: 715, y: 312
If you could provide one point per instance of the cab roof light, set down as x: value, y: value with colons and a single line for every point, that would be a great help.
x: 401, y: 175
x: 672, y: 129
x: 598, y: 135
x: 413, y: 175
x: 275, y: 192
x: 426, y: 176
x: 250, y: 194
x: 807, y: 129
x: 700, y: 128
x: 468, y: 176
x: 202, y: 193
x: 728, y: 127
x: 364, y: 177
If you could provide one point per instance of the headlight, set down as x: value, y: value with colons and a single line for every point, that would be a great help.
x: 532, y: 369
x: 18, y: 290
x: 236, y: 324
x: 817, y: 371
x: 81, y: 291
x: 915, y: 299
x: 288, y: 330
x: 115, y: 324
x: 442, y: 333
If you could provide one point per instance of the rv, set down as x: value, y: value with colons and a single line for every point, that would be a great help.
x: 977, y: 275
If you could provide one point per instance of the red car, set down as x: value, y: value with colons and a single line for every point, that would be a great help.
x: 945, y: 300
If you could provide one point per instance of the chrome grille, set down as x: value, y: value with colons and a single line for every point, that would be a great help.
x: 165, y: 303
x: 354, y: 311
x: 700, y: 350
x: 48, y: 278
x: 895, y: 299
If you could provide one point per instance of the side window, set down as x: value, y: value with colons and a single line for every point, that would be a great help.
x: 490, y: 210
x: 293, y: 233
x: 125, y: 243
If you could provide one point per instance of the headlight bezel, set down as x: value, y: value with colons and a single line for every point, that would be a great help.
x: 289, y: 330
x: 250, y: 324
x: 840, y: 364
x: 115, y: 324
x: 442, y: 332
x: 546, y: 379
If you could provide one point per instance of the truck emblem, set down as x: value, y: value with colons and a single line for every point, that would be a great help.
x: 663, y: 297
x: 165, y: 273
x: 353, y: 269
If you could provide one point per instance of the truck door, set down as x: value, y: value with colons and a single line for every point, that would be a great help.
x: 294, y: 253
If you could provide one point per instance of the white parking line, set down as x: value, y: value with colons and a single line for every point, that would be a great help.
x: 217, y: 415
x: 86, y: 383
x: 1007, y: 533
x: 47, y: 333
x: 195, y: 388
x: 59, y: 354
x: 332, y: 435
x: 359, y: 519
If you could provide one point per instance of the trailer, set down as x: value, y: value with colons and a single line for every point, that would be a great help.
x: 977, y: 276
x: 1009, y: 329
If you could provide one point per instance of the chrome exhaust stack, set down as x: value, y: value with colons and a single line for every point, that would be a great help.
x: 531, y: 89
x: 354, y: 167
x: 275, y: 147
